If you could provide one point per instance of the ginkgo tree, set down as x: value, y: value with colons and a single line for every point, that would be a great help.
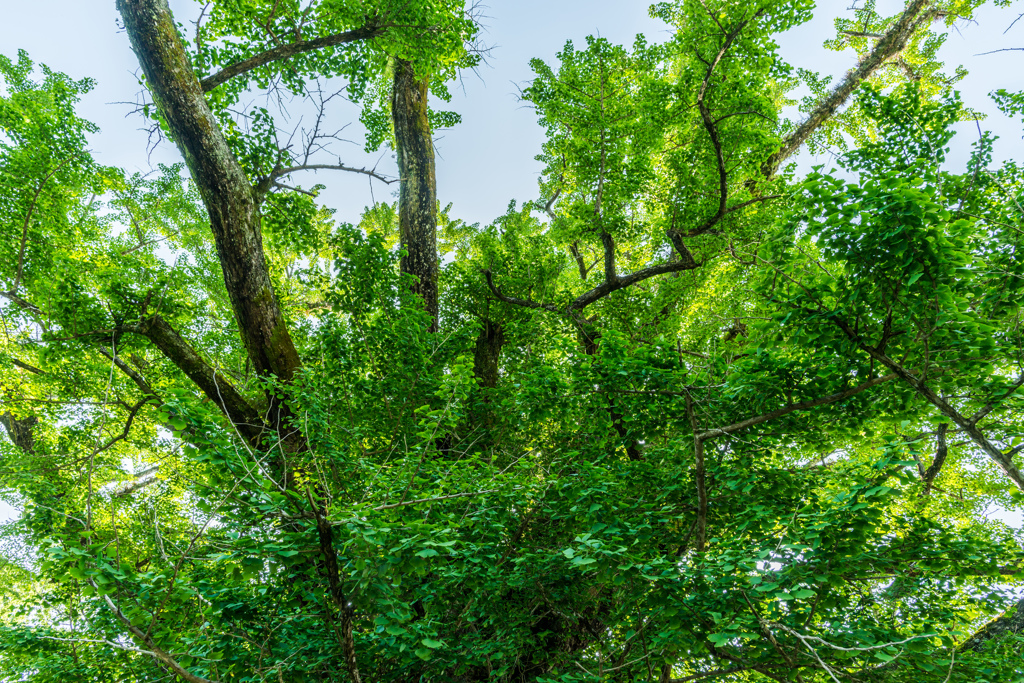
x: 685, y: 415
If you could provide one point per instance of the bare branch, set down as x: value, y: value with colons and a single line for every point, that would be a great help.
x: 281, y: 172
x: 1005, y: 49
x: 21, y: 303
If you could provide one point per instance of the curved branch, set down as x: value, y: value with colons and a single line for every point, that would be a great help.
x: 1004, y: 460
x: 606, y: 288
x: 289, y: 50
x: 526, y: 303
x: 270, y: 180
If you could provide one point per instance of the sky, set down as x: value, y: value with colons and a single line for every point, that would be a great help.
x: 488, y: 159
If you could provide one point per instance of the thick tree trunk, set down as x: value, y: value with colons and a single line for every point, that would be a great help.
x: 486, y: 361
x: 235, y: 221
x: 417, y: 201
x: 225, y: 189
x: 487, y: 355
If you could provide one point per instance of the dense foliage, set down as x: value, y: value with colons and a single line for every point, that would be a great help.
x: 686, y: 415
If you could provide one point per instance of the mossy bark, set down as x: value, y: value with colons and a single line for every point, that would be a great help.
x: 417, y: 200
x: 222, y: 183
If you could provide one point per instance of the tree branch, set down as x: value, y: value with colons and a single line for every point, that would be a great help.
x: 940, y: 457
x: 608, y: 243
x: 216, y: 387
x: 222, y: 183
x: 154, y: 651
x: 526, y: 303
x: 290, y: 50
x: 889, y: 45
x: 1002, y: 459
x: 990, y: 406
x: 792, y: 408
x: 606, y: 288
x: 267, y: 181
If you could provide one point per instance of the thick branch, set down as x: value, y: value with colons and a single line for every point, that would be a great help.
x: 25, y: 366
x: 606, y: 288
x: 709, y: 124
x: 21, y: 431
x: 216, y: 387
x: 290, y: 50
x: 889, y: 45
x: 608, y: 243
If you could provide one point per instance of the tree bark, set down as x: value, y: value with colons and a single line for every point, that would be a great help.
x: 417, y: 199
x: 21, y: 431
x: 222, y: 183
x: 1010, y: 621
x: 888, y: 46
x: 216, y: 386
x: 487, y: 354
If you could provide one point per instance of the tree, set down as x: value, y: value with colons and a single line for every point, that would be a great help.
x: 672, y: 420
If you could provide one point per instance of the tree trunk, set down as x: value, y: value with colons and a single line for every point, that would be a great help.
x: 417, y: 199
x: 222, y: 183
x: 487, y: 355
